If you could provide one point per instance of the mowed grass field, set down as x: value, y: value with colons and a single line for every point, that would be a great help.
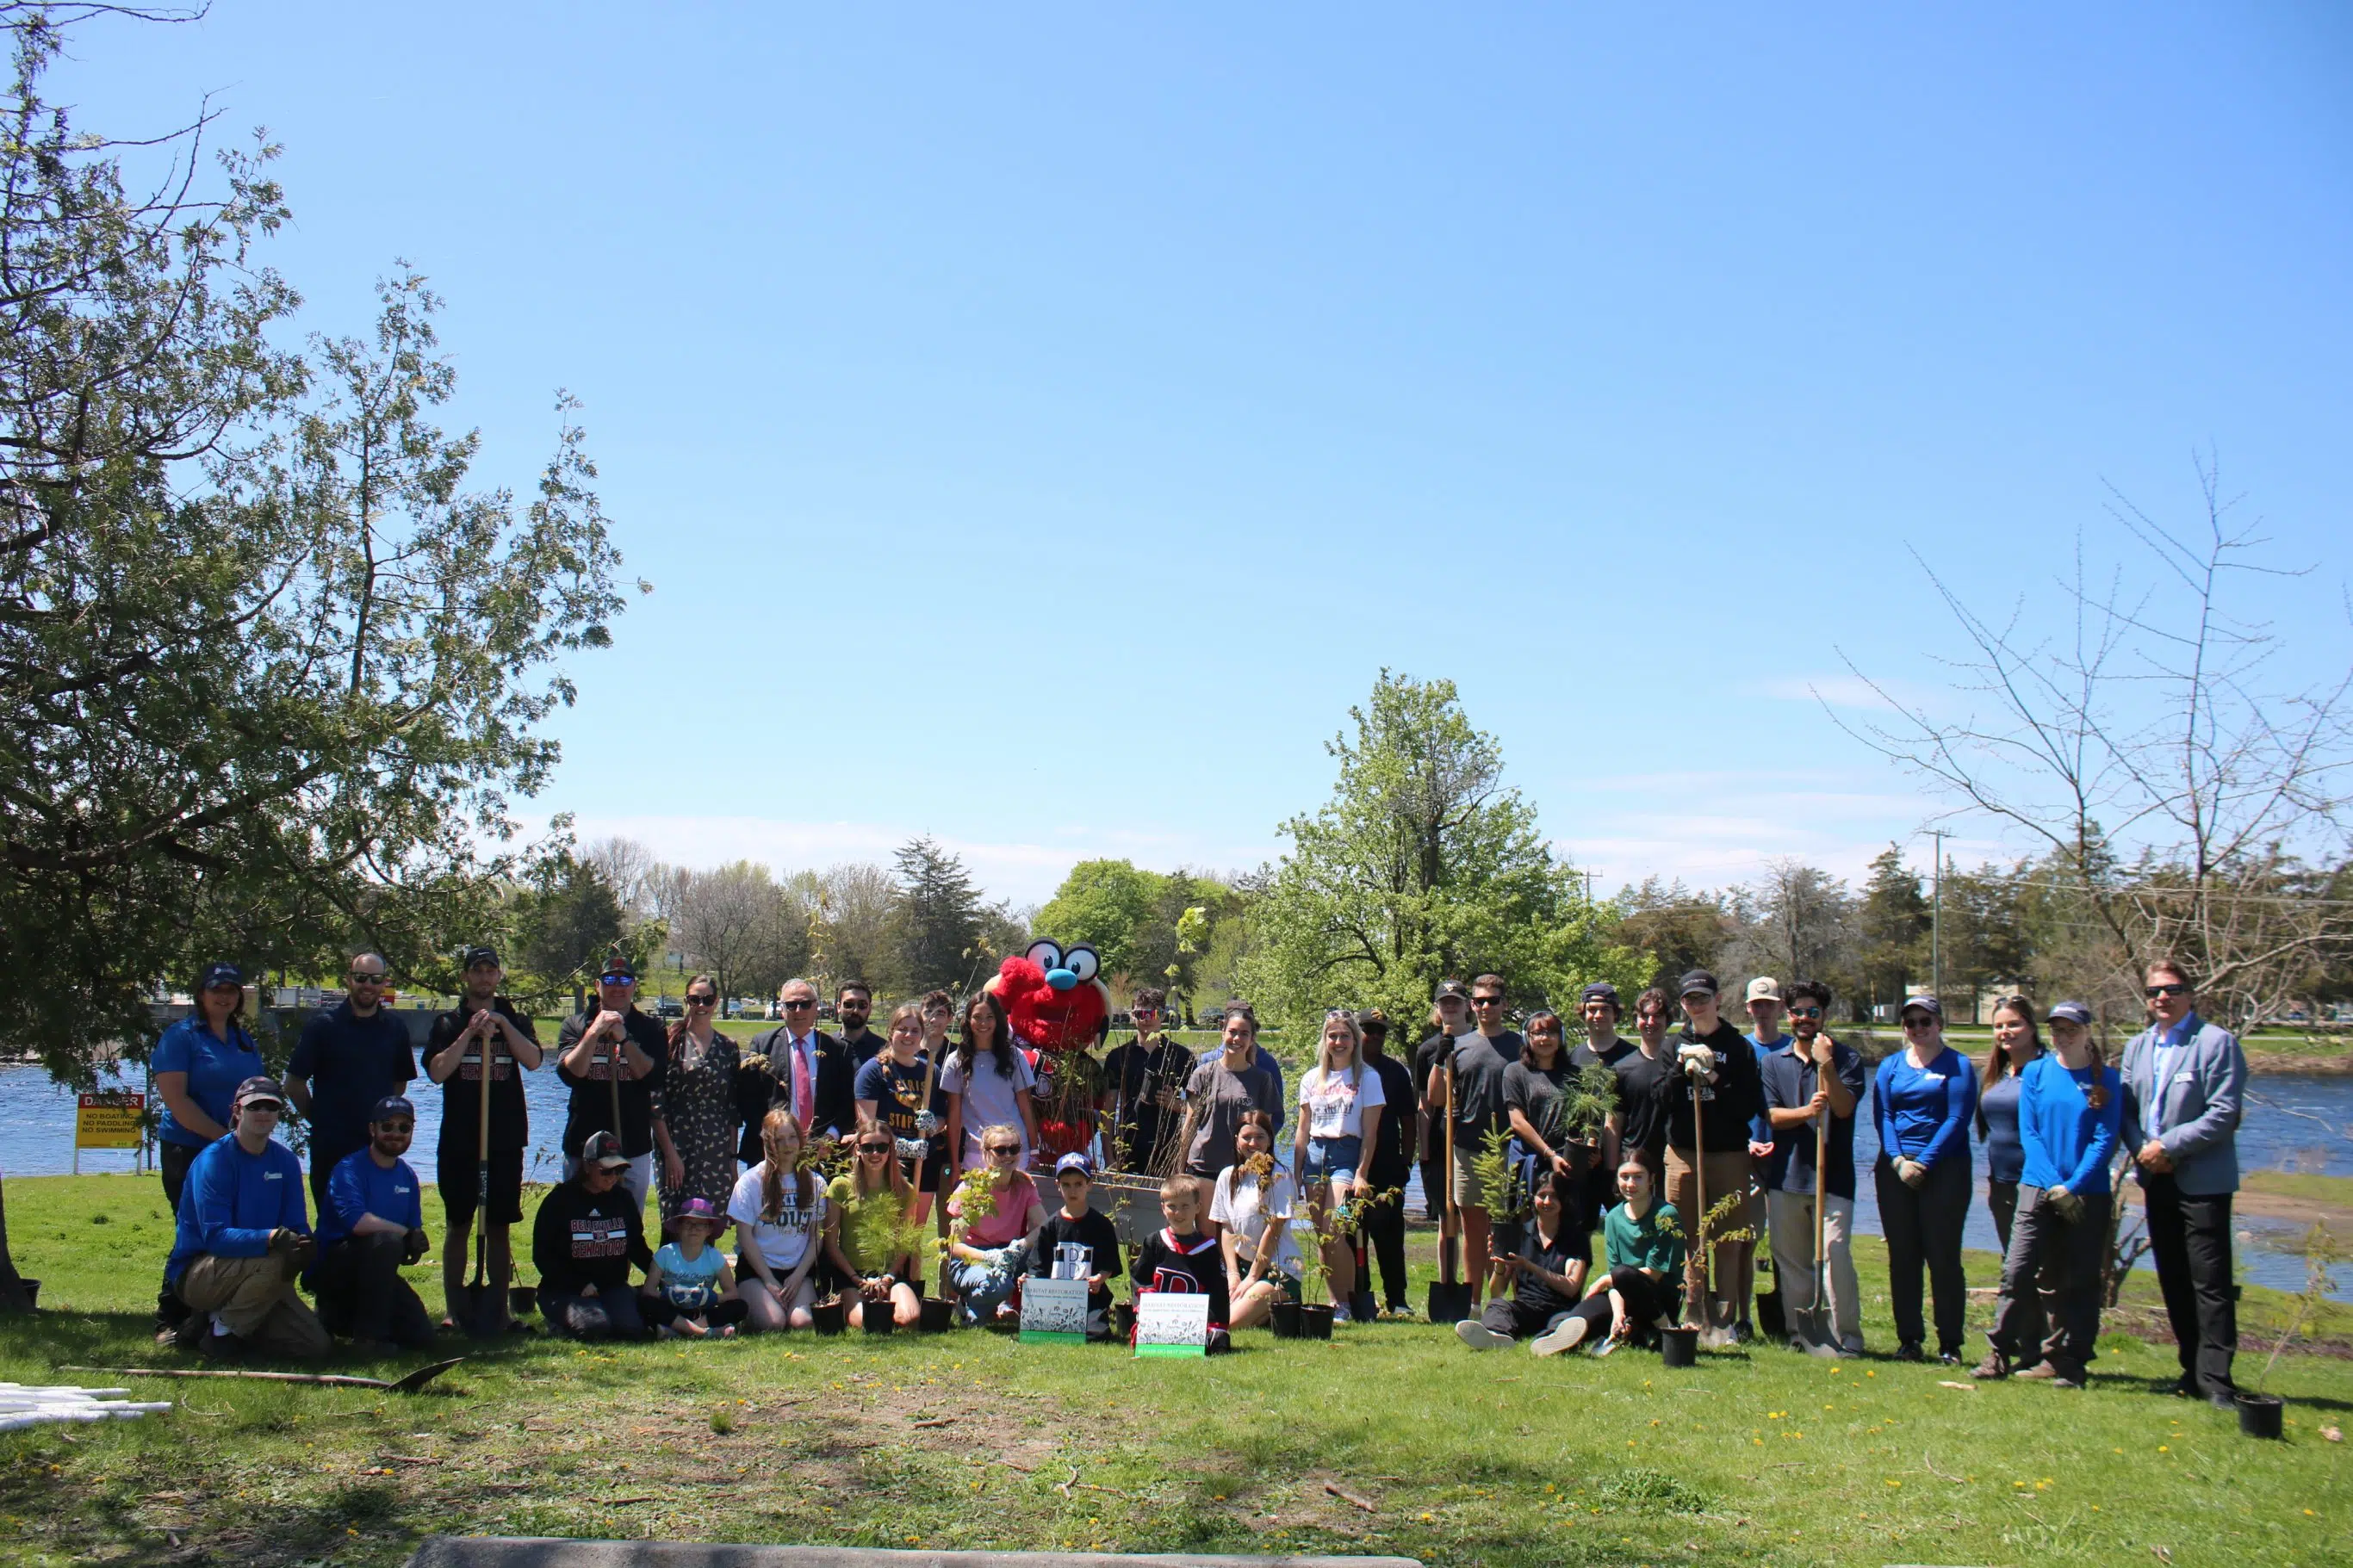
x: 969, y: 1440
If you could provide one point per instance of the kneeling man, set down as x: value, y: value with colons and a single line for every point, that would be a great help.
x: 244, y: 1234
x: 373, y: 1223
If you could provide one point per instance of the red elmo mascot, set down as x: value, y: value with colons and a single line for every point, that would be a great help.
x: 1058, y: 1007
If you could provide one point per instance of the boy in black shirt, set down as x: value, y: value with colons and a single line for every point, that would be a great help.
x: 1141, y: 1087
x: 1182, y: 1261
x: 483, y: 1022
x: 1548, y: 1273
x: 1077, y: 1225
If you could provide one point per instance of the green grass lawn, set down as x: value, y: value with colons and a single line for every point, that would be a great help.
x: 967, y: 1441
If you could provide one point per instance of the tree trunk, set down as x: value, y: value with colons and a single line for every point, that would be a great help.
x: 12, y: 1288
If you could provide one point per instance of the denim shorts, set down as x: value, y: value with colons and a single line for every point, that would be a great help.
x: 1333, y: 1160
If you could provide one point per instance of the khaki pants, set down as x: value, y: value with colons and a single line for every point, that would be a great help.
x: 1733, y: 1272
x: 1793, y: 1261
x: 254, y: 1298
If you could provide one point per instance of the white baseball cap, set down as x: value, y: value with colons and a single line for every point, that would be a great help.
x: 1764, y: 988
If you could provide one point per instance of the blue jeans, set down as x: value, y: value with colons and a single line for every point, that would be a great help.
x: 1333, y: 1160
x: 984, y: 1287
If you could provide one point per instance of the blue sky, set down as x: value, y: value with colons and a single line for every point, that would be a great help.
x: 990, y: 391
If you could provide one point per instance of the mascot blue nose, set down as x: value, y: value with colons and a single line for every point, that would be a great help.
x: 1060, y: 979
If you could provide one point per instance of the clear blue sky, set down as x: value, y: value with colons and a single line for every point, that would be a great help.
x: 988, y: 390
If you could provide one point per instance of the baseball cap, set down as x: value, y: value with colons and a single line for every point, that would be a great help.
x: 1451, y: 988
x: 1697, y: 983
x: 1764, y: 988
x: 618, y: 964
x: 1372, y: 1021
x: 222, y: 974
x: 1927, y: 1004
x: 479, y: 955
x: 390, y: 1106
x: 2073, y: 1012
x: 1074, y: 1160
x: 1600, y: 990
x: 603, y: 1150
x: 261, y: 1088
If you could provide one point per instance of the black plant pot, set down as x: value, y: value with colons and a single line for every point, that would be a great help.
x: 876, y: 1317
x: 1771, y: 1321
x: 1679, y: 1347
x: 939, y: 1314
x: 1284, y: 1320
x: 1315, y: 1322
x: 1123, y: 1323
x: 522, y: 1300
x: 32, y: 1291
x: 2260, y: 1415
x: 828, y: 1315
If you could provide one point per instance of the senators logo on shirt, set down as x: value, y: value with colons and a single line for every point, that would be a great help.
x: 502, y: 1068
x: 599, y: 1235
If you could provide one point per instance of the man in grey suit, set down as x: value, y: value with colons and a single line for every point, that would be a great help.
x: 2184, y: 1082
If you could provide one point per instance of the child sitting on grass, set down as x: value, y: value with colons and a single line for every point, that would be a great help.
x: 991, y: 1215
x: 690, y: 1290
x: 1548, y: 1273
x: 1182, y: 1261
x: 1641, y: 1240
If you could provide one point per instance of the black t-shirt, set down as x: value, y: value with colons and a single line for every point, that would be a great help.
x: 1186, y: 1265
x: 461, y: 1105
x: 592, y: 1096
x: 1617, y: 1051
x: 1642, y: 1085
x: 865, y: 1048
x: 1386, y: 1168
x: 1572, y: 1246
x: 1536, y: 1093
x: 1134, y: 1078
x: 1090, y: 1229
x: 1426, y: 1056
x: 897, y: 1092
x: 1730, y: 1104
x: 582, y: 1238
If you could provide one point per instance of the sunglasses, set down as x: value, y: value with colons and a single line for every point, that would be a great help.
x: 368, y: 979
x: 1007, y: 1149
x: 395, y: 1126
x: 1917, y: 1020
x: 1486, y: 1001
x: 874, y: 1148
x: 2175, y: 989
x: 1805, y: 1012
x: 617, y: 980
x: 703, y: 1000
x: 799, y: 1007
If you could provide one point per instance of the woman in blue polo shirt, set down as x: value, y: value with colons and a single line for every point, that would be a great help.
x: 1922, y: 1101
x: 198, y: 1065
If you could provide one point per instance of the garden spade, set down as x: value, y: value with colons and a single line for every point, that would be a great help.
x: 1811, y: 1328
x: 481, y: 1305
x: 1449, y: 1298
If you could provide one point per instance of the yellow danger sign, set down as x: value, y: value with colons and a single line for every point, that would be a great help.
x: 108, y: 1120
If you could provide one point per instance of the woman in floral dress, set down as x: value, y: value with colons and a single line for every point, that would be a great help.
x: 694, y: 1109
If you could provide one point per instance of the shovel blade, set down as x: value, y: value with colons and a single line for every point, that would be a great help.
x: 482, y: 1312
x: 422, y: 1375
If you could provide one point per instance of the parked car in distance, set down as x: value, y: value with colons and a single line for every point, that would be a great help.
x: 668, y: 1007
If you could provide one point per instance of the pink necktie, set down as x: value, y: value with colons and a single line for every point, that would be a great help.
x: 804, y: 1088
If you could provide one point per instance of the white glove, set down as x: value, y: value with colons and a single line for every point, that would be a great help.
x: 928, y: 1124
x: 1695, y: 1059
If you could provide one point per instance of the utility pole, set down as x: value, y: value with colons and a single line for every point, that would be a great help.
x: 1937, y: 923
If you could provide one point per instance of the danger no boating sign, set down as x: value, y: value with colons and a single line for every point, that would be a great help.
x: 108, y: 1120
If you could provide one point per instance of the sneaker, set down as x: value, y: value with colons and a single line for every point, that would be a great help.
x: 1995, y: 1367
x: 1948, y: 1358
x: 221, y: 1346
x: 1568, y: 1337
x: 2040, y: 1372
x: 1478, y: 1336
x: 1909, y: 1351
x: 1342, y: 1315
x: 1399, y: 1310
x: 1742, y: 1333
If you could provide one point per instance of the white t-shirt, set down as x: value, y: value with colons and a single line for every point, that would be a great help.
x: 1235, y: 1205
x: 991, y: 1099
x: 1333, y: 1105
x: 784, y: 1240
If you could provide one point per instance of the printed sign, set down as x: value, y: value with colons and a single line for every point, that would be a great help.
x: 108, y: 1120
x: 1053, y: 1311
x: 1168, y: 1322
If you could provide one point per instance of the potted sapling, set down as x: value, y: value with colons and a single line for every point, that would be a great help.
x: 2261, y: 1414
x: 1679, y: 1345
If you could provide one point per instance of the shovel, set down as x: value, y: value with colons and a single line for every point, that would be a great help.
x: 408, y: 1384
x: 482, y: 1305
x: 1698, y: 1306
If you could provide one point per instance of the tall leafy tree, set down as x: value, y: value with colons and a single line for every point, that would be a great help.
x: 271, y: 675
x: 1423, y: 864
x: 563, y: 926
x: 1108, y: 904
x: 1674, y: 928
x: 939, y: 917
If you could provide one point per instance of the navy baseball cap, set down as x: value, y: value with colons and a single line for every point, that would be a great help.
x: 479, y: 955
x: 390, y: 1106
x: 2073, y: 1012
x: 1074, y: 1160
x: 261, y: 1088
x: 1698, y: 983
x: 222, y: 974
x: 603, y: 1150
x: 1600, y: 990
x: 1452, y: 988
x: 1927, y: 1004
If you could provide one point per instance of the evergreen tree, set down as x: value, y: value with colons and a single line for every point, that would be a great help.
x: 939, y: 919
x: 1894, y: 921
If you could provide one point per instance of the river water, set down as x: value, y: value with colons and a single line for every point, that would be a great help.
x: 2295, y: 1122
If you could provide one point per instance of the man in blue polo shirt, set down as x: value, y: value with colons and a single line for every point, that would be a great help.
x: 242, y: 1237
x: 1806, y: 1079
x: 371, y: 1224
x: 350, y: 1056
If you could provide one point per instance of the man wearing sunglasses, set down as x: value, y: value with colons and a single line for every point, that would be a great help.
x: 2184, y: 1080
x: 799, y: 1065
x: 1807, y: 1078
x: 616, y: 1040
x: 371, y: 1224
x: 349, y: 1055
x: 1143, y: 1084
x: 483, y: 1024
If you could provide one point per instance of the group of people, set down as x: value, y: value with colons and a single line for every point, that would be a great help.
x: 845, y: 1162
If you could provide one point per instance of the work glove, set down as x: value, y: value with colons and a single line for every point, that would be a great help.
x: 413, y: 1245
x: 928, y: 1125
x: 1695, y: 1059
x: 2068, y: 1206
x: 292, y: 1246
